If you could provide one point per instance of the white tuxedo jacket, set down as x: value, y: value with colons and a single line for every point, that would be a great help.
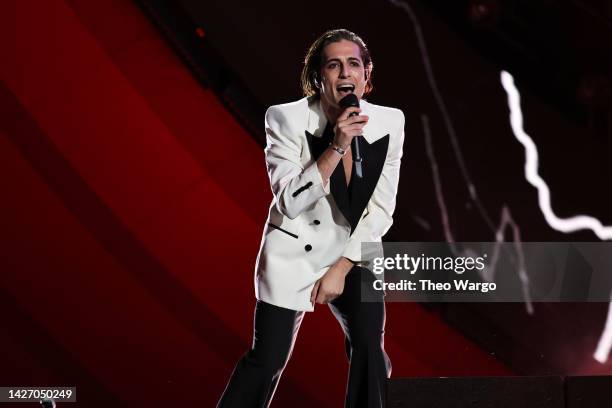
x: 310, y: 226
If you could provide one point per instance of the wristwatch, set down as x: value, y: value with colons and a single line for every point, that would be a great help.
x: 338, y: 149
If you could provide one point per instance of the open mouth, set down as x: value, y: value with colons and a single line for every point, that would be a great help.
x: 345, y: 89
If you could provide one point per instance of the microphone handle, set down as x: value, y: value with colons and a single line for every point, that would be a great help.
x: 357, y: 159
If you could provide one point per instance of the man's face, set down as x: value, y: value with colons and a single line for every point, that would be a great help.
x: 342, y: 72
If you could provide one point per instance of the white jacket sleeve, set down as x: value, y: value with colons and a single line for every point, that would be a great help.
x: 381, y: 205
x: 295, y: 188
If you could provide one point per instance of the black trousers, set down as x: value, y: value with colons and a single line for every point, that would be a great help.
x: 257, y: 373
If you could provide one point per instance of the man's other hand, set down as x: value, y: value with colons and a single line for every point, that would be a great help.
x: 331, y: 285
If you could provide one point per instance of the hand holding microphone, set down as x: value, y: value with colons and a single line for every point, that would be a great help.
x: 347, y: 127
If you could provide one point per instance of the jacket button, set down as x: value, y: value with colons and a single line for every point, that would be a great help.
x: 308, y: 247
x: 316, y: 222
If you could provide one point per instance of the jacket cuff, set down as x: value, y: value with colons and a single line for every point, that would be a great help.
x: 302, y: 192
x: 312, y: 181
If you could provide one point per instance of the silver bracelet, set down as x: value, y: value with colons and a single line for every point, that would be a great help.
x: 338, y: 149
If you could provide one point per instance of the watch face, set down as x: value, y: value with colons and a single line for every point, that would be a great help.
x: 339, y: 150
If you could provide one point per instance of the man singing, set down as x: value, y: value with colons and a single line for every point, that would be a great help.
x: 321, y: 213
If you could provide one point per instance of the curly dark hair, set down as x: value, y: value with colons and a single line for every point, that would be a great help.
x: 314, y: 56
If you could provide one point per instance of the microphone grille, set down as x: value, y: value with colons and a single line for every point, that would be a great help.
x: 349, y: 100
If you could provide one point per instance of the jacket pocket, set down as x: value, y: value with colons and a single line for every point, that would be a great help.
x: 291, y: 234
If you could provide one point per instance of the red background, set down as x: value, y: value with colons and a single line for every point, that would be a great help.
x: 132, y: 208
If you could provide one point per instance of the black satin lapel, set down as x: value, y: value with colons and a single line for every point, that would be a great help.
x: 337, y: 181
x: 374, y: 156
x: 339, y: 191
x: 317, y: 145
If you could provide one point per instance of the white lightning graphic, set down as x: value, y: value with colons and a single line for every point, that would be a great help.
x: 571, y: 224
x: 605, y: 342
x: 566, y: 225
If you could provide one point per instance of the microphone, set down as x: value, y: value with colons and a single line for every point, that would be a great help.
x: 348, y: 101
